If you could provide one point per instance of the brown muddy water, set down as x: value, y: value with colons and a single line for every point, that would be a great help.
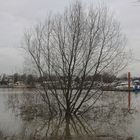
x: 108, y: 120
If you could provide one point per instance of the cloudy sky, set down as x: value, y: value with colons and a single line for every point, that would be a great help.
x: 18, y: 15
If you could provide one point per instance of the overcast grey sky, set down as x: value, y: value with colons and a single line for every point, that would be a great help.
x: 17, y: 15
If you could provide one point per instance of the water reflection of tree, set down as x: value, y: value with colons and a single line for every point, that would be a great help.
x: 108, y: 119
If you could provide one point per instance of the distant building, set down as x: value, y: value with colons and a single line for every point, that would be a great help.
x: 19, y: 84
x: 136, y: 82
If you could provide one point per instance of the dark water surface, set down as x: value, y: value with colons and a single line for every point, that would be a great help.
x: 109, y: 119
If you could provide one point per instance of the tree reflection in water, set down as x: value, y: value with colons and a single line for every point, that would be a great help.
x: 108, y: 120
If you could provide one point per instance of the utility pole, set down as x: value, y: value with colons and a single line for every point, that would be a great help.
x: 129, y: 91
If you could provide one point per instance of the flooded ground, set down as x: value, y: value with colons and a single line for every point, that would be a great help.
x: 108, y: 120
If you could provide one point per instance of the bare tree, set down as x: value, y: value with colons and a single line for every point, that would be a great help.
x: 72, y: 46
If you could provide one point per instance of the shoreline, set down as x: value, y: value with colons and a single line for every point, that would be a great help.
x: 31, y: 87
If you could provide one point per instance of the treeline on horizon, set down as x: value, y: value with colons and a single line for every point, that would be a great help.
x: 30, y: 79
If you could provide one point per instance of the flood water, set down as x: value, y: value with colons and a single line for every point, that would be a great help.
x: 108, y: 124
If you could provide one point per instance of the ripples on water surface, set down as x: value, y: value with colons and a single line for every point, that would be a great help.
x: 108, y: 120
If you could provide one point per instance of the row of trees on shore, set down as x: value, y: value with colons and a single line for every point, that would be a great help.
x: 27, y: 79
x: 30, y: 79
